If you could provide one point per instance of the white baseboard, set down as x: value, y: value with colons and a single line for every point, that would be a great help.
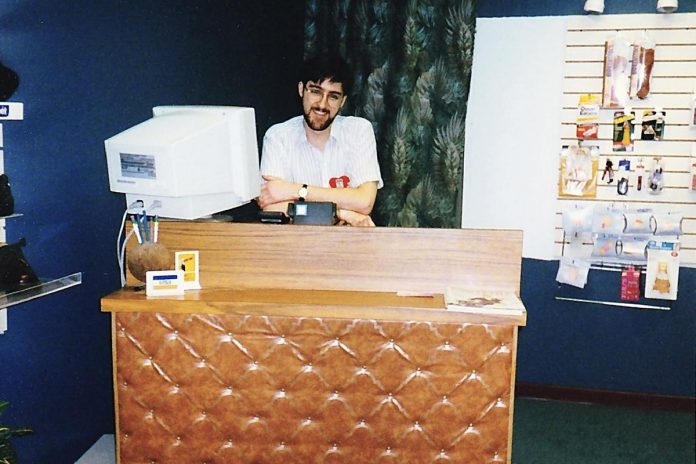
x: 103, y: 451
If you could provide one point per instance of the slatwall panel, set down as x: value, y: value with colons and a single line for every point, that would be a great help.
x: 672, y: 87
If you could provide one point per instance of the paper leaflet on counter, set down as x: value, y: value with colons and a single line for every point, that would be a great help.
x: 483, y: 301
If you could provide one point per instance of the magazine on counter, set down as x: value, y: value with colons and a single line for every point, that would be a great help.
x: 483, y: 302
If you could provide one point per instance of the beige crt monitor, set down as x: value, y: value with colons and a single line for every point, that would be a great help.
x: 193, y: 160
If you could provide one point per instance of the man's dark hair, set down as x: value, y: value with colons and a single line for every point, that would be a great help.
x: 327, y: 67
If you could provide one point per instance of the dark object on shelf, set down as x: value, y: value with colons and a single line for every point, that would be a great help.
x: 9, y: 81
x: 6, y: 198
x: 313, y: 212
x: 273, y: 217
x: 15, y: 270
x: 248, y: 212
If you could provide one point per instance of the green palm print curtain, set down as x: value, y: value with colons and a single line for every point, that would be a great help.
x: 412, y: 65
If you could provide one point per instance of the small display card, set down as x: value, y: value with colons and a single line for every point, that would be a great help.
x: 187, y: 262
x: 164, y: 283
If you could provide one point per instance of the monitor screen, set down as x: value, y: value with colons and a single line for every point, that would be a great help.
x: 191, y: 161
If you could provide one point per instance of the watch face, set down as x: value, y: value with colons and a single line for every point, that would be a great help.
x: 303, y: 192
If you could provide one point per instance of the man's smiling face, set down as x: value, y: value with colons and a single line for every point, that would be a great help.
x: 321, y: 103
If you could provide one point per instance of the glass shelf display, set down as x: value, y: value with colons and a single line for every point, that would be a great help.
x: 15, y: 215
x: 43, y: 288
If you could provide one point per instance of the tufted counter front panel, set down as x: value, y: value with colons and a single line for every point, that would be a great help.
x: 311, y: 344
x: 232, y: 388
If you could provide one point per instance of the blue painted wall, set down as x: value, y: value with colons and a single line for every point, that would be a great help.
x: 90, y: 69
x: 594, y: 346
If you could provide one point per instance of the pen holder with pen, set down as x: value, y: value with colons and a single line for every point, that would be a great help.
x: 149, y: 256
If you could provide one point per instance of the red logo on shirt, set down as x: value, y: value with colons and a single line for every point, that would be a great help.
x: 340, y: 182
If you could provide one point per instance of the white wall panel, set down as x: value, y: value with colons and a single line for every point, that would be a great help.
x: 512, y: 128
x: 528, y: 74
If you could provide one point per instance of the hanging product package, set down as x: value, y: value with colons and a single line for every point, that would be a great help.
x: 643, y: 59
x: 606, y: 246
x: 653, y: 125
x: 634, y: 247
x: 578, y: 173
x: 622, y: 174
x: 587, y: 122
x: 623, y: 131
x: 573, y: 272
x: 15, y: 270
x: 608, y: 172
x: 638, y: 222
x: 656, y: 178
x: 662, y: 274
x: 608, y: 221
x: 667, y: 224
x: 617, y: 53
x: 6, y: 198
x: 577, y: 220
x: 641, y: 173
x: 630, y: 284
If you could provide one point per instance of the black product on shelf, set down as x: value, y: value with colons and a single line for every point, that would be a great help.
x: 15, y: 270
x: 9, y: 81
x: 6, y: 198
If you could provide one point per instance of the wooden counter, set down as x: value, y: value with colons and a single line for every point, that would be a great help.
x: 301, y: 347
x: 305, y: 303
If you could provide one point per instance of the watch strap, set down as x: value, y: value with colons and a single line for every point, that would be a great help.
x: 302, y: 193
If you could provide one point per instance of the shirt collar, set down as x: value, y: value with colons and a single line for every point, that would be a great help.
x: 336, y: 129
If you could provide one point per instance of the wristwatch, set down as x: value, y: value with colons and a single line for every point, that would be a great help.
x: 302, y: 193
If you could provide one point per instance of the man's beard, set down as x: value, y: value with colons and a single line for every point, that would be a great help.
x: 315, y: 126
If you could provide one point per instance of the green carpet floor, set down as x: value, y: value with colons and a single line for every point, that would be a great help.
x: 575, y: 433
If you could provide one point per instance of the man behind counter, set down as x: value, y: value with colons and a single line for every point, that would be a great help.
x: 321, y: 156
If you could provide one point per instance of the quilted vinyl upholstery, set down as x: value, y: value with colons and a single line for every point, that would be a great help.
x: 199, y: 388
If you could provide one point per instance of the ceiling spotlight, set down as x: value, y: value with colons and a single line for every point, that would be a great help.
x: 667, y: 6
x: 595, y: 6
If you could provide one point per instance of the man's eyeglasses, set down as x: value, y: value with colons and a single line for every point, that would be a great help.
x: 316, y: 93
